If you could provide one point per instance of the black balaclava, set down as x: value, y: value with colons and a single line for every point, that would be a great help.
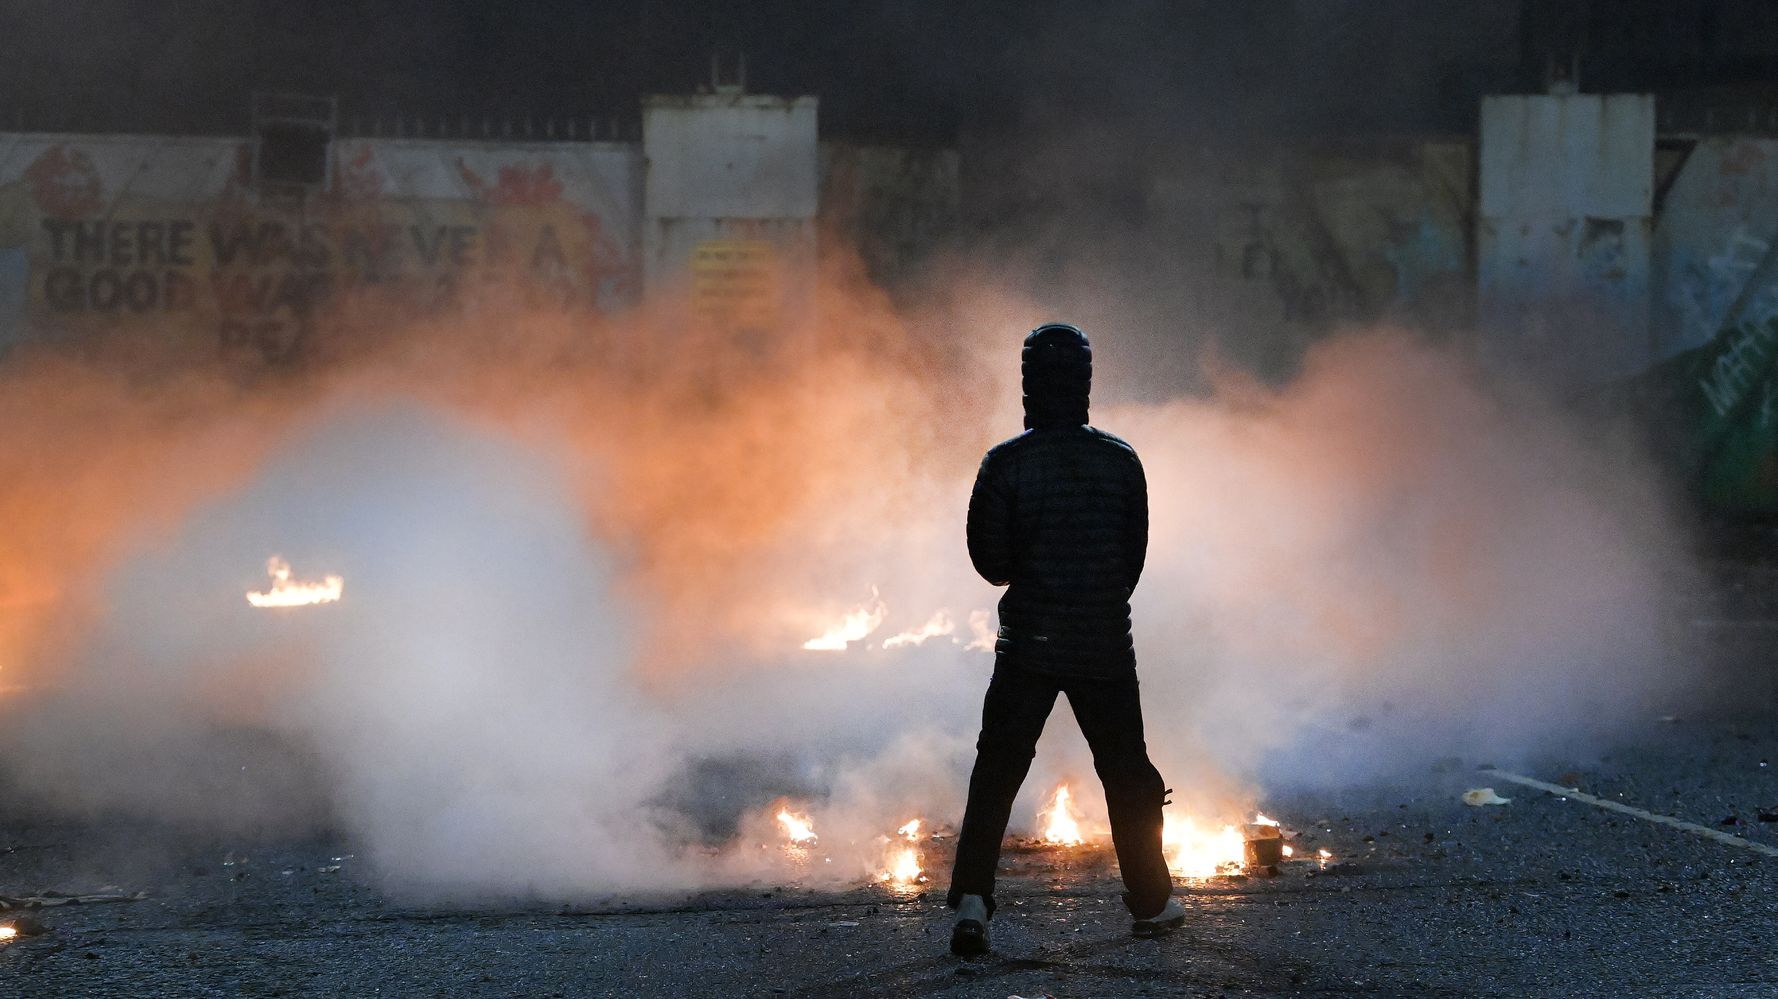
x: 1057, y: 365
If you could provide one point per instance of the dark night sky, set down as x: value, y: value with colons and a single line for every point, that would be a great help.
x: 902, y: 70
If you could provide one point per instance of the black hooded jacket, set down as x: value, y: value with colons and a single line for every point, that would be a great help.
x: 1059, y: 515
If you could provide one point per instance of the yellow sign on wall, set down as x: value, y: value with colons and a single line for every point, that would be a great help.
x: 735, y: 283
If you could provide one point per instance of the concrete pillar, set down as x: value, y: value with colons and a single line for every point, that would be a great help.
x: 1563, y: 235
x: 729, y: 206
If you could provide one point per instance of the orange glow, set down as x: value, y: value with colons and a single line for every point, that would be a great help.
x: 901, y: 861
x: 1195, y: 851
x: 1060, y: 819
x: 903, y: 866
x: 286, y: 592
x: 798, y: 828
x: 7, y: 933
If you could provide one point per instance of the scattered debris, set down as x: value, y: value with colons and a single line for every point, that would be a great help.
x: 843, y: 924
x: 1767, y: 814
x: 1668, y: 719
x: 1262, y: 847
x: 1483, y: 796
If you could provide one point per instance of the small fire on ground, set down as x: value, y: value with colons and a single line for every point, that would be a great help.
x: 899, y: 861
x: 902, y: 863
x: 799, y: 829
x: 288, y: 592
x: 1192, y: 849
x: 1059, y: 820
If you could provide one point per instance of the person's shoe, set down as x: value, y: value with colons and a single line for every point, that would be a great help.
x: 969, y: 938
x: 1170, y: 918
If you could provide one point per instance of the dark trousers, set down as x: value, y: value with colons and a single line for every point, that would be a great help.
x: 1110, y: 716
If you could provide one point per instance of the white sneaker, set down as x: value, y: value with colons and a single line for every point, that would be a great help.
x: 1170, y: 918
x: 970, y: 936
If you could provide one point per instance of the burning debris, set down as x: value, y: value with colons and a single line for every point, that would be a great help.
x: 1060, y: 819
x: 287, y: 592
x: 1263, y: 845
x: 1193, y: 851
x: 857, y: 625
x: 1065, y: 832
x: 799, y: 829
x: 902, y: 864
x: 939, y: 626
x: 863, y: 621
x: 895, y: 858
x: 904, y: 867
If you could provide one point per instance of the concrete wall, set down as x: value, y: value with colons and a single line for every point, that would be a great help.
x: 98, y: 228
x: 1283, y: 246
x: 891, y: 205
x: 1565, y: 223
x: 729, y: 205
x: 1718, y: 220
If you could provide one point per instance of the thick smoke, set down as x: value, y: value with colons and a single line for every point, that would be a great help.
x: 568, y: 658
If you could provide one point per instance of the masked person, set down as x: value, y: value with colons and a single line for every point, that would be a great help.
x: 1059, y: 516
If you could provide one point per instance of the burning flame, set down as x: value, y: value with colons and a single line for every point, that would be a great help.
x: 798, y: 828
x: 904, y: 866
x: 7, y: 933
x: 1193, y: 851
x: 940, y: 625
x: 856, y: 625
x: 288, y: 593
x: 901, y: 863
x: 1060, y: 819
x: 1197, y: 852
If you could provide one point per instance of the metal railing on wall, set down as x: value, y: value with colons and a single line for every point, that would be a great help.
x: 490, y: 127
x: 1676, y: 116
x: 514, y: 127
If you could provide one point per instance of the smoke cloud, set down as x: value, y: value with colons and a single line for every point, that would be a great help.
x: 577, y: 581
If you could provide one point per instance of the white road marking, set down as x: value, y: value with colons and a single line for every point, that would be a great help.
x: 1618, y: 806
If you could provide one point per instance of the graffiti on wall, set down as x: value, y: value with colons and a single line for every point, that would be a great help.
x: 258, y: 277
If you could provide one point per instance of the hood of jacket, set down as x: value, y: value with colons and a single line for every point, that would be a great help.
x: 1057, y: 374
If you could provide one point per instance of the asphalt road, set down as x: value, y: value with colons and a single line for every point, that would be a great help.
x: 1544, y: 896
